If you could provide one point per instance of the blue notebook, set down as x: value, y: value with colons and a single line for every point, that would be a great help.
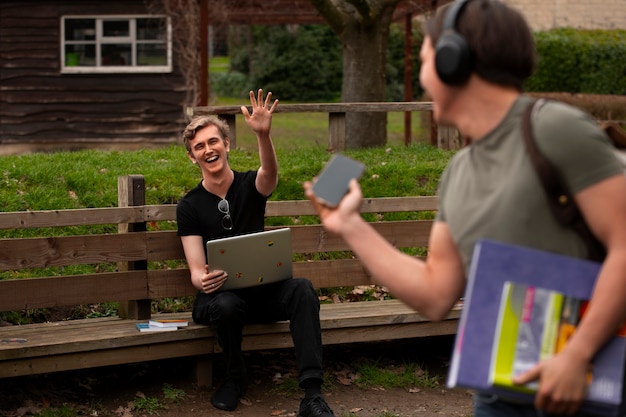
x: 493, y: 264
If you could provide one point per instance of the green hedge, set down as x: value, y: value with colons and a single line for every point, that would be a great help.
x: 580, y: 61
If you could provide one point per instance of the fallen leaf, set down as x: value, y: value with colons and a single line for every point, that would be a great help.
x: 343, y: 380
x: 355, y: 410
x: 277, y: 412
x: 124, y: 411
x: 414, y: 390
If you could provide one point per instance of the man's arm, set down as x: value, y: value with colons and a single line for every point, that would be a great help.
x: 201, y: 278
x: 431, y: 287
x: 260, y: 122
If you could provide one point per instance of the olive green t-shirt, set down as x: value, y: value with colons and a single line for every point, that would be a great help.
x: 490, y: 189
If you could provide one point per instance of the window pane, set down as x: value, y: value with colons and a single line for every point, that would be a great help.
x: 115, y: 28
x: 151, y: 54
x: 80, y: 55
x: 80, y: 29
x: 115, y: 55
x: 151, y: 29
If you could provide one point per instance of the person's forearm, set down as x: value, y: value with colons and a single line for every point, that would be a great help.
x: 267, y: 176
x: 196, y: 279
x: 267, y: 154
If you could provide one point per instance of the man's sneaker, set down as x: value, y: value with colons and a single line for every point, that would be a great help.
x: 227, y: 395
x: 315, y: 407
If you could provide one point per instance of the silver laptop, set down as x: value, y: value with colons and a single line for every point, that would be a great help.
x: 252, y: 259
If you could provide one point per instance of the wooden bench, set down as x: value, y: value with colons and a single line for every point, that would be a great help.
x: 139, y: 249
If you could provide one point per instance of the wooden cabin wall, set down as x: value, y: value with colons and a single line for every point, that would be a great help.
x: 40, y: 105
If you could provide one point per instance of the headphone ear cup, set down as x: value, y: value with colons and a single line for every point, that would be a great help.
x: 453, y: 59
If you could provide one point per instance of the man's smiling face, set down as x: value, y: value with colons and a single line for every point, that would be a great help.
x: 209, y: 150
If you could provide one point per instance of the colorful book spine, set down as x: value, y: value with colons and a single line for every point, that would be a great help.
x: 168, y: 323
x: 528, y: 328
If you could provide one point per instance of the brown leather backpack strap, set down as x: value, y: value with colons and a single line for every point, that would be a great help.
x: 561, y: 201
x: 615, y: 133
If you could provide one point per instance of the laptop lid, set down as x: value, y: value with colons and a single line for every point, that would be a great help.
x: 252, y: 259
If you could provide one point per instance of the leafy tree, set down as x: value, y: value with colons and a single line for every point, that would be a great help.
x: 297, y: 62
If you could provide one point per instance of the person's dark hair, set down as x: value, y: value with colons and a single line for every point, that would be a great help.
x: 200, y: 122
x: 499, y: 38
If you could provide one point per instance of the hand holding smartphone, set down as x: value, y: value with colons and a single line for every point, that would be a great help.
x: 333, y: 182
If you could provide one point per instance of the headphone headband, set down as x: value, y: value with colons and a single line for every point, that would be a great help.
x: 449, y: 20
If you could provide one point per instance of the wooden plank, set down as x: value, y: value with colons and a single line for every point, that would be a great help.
x: 402, y: 234
x: 59, y: 338
x: 369, y: 205
x: 332, y: 273
x: 58, y: 291
x: 164, y: 245
x: 323, y: 108
x: 165, y: 283
x: 71, y: 217
x: 165, y: 212
x: 105, y: 357
x: 71, y: 250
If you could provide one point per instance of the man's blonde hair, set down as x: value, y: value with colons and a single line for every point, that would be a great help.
x: 200, y: 122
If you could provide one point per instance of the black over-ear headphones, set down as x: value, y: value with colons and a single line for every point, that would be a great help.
x: 453, y: 57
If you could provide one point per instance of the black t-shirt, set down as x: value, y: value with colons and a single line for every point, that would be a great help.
x: 197, y: 213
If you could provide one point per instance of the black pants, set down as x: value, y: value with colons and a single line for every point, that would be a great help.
x: 294, y: 300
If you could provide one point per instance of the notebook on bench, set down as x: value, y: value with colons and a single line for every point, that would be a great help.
x: 252, y: 259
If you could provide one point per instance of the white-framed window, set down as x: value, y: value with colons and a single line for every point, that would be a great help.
x: 116, y: 44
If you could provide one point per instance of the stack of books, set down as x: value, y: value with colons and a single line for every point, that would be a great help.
x: 161, y: 325
x: 521, y: 305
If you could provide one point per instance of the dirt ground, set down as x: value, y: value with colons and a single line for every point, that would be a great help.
x: 112, y: 391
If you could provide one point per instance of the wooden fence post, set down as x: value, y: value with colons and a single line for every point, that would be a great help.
x: 449, y: 138
x: 337, y: 131
x: 131, y: 191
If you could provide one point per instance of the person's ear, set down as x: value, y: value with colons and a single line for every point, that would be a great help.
x: 191, y: 158
x: 227, y: 144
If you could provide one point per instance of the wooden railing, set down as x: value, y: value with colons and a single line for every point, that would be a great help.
x: 439, y: 136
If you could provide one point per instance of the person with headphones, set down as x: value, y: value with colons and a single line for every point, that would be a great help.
x: 476, y: 55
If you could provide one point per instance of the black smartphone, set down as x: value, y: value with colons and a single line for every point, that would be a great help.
x: 333, y: 181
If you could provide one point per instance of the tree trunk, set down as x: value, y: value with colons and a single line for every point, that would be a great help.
x: 363, y: 29
x: 364, y: 60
